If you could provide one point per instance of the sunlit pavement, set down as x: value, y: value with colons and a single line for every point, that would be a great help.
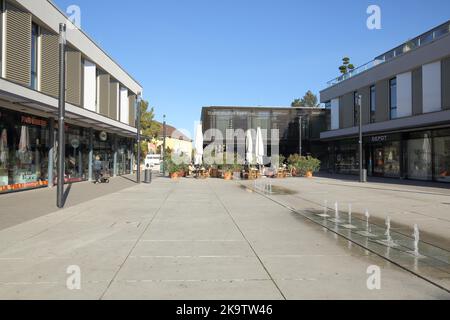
x: 192, y: 239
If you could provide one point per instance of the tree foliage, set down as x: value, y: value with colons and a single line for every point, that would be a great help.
x: 309, y: 100
x: 346, y: 66
x: 150, y: 128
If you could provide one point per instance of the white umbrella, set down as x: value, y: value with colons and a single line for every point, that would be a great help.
x: 249, y: 147
x: 259, y: 149
x: 199, y: 145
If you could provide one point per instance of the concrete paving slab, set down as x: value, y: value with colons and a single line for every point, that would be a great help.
x: 192, y: 239
x: 194, y: 290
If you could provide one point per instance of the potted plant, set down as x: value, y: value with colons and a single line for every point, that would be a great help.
x: 173, y: 168
x: 174, y: 172
x: 307, y: 166
x: 293, y: 162
x: 227, y: 173
x: 237, y: 171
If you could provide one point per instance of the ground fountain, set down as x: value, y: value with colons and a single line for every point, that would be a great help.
x: 336, y: 213
x: 416, y: 236
x: 264, y: 186
x: 389, y: 241
x: 350, y: 213
x: 325, y: 210
x: 368, y: 232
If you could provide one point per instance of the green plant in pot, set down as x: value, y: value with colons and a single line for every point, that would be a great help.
x: 307, y: 166
x: 173, y: 168
x: 293, y: 164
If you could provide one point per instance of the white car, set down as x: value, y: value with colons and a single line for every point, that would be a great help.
x: 153, y: 160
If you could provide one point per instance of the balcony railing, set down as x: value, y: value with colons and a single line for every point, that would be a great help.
x: 417, y: 42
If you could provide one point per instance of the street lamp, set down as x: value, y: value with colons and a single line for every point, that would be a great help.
x: 362, y: 177
x: 164, y: 146
x: 61, y: 115
x: 300, y: 122
x: 138, y: 127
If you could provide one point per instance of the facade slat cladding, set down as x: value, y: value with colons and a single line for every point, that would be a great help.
x: 73, y: 77
x: 365, y: 93
x: 382, y: 112
x: 49, y: 75
x: 114, y: 100
x: 18, y: 45
x: 104, y: 80
x: 446, y: 84
x: 417, y: 92
x: 132, y: 110
x: 348, y: 110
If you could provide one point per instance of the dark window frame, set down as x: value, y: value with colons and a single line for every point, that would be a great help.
x: 2, y: 11
x: 355, y: 109
x: 373, y: 103
x: 393, y: 90
x: 35, y: 33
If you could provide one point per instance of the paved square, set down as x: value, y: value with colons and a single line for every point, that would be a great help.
x: 192, y: 239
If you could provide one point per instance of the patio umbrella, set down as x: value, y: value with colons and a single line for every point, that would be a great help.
x: 259, y: 149
x: 249, y: 147
x: 199, y: 145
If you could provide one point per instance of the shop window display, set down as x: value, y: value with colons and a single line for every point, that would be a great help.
x: 23, y: 151
x: 103, y: 148
x: 124, y: 154
x: 347, y: 160
x: 419, y: 159
x: 77, y: 154
x: 386, y: 160
x: 442, y: 159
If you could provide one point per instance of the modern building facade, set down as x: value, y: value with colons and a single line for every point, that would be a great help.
x: 284, y: 119
x: 100, y: 100
x: 405, y: 109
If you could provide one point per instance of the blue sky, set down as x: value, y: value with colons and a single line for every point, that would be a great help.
x: 193, y: 53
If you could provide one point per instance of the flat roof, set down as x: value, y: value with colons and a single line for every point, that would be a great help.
x: 95, y: 43
x: 263, y: 107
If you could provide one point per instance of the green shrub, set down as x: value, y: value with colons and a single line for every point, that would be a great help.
x: 303, y: 165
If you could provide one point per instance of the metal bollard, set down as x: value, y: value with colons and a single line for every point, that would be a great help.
x: 148, y: 176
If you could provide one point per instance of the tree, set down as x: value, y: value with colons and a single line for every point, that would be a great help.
x: 150, y: 128
x: 309, y: 100
x: 346, y: 66
x: 297, y: 103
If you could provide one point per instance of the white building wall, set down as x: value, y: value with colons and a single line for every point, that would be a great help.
x: 335, y: 114
x: 90, y: 86
x: 404, y: 95
x: 124, y: 106
x: 431, y: 75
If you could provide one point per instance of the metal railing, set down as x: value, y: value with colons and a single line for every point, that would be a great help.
x: 417, y: 42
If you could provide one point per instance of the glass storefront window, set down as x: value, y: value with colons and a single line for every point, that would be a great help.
x: 347, y: 159
x: 419, y: 158
x: 442, y: 159
x: 386, y: 160
x: 77, y: 154
x: 103, y: 148
x: 124, y: 154
x: 23, y: 151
